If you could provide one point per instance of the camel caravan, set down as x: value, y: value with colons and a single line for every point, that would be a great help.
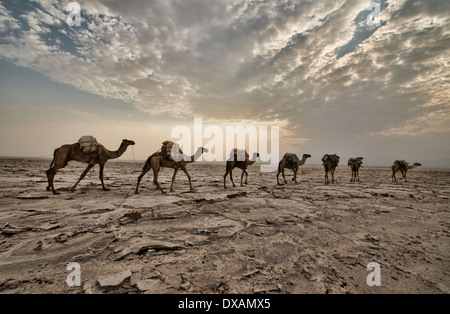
x: 88, y: 150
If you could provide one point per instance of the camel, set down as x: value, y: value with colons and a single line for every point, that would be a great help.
x: 355, y: 164
x: 330, y: 163
x: 290, y: 161
x: 157, y: 160
x: 403, y: 166
x: 237, y: 160
x: 69, y: 152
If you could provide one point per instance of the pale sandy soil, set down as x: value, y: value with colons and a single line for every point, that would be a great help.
x: 260, y: 238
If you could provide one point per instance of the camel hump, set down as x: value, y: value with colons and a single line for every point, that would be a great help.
x: 357, y: 159
x: 334, y: 158
x: 171, y: 151
x: 88, y: 144
x: 238, y: 155
x: 401, y: 163
x: 291, y: 158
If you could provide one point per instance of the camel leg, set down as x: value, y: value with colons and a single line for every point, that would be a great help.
x: 284, y: 178
x: 188, y: 176
x: 281, y: 170
x: 228, y: 170
x: 231, y: 177
x: 224, y: 179
x: 332, y: 175
x: 89, y: 167
x: 101, y: 177
x: 50, y: 176
x: 404, y: 175
x: 155, y: 179
x: 144, y: 171
x: 242, y: 177
x: 173, y: 179
x: 295, y: 176
x: 51, y: 172
x: 281, y: 166
x: 326, y: 176
x: 246, y: 177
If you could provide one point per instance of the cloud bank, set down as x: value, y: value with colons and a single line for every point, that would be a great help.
x: 314, y: 66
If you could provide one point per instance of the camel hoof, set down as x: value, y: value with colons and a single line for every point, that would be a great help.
x: 106, y: 189
x: 136, y: 192
x: 48, y: 188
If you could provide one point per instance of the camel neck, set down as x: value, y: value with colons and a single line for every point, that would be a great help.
x: 194, y: 157
x: 117, y: 153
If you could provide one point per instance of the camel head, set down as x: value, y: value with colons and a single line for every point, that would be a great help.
x: 416, y: 164
x: 202, y: 150
x: 197, y: 154
x: 306, y: 156
x: 128, y: 142
x: 255, y: 155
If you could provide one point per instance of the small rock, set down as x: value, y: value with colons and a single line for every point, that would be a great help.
x: 10, y: 230
x: 38, y: 246
x: 149, y: 285
x: 113, y: 280
x: 267, y: 288
x: 185, y: 285
x: 135, y: 278
x: 174, y: 282
x: 372, y: 238
x: 134, y: 215
x: 61, y: 238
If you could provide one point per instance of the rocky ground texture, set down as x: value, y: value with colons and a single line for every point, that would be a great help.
x: 260, y: 238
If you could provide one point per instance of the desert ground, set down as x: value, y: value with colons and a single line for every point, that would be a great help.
x: 260, y: 238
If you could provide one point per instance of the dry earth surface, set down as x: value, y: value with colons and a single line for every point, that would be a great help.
x: 260, y: 238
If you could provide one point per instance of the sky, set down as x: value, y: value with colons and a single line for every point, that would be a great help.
x: 329, y: 78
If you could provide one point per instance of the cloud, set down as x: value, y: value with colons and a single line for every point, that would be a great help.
x: 314, y: 64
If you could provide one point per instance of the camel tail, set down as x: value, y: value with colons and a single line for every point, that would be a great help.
x: 148, y: 163
x: 54, y: 156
